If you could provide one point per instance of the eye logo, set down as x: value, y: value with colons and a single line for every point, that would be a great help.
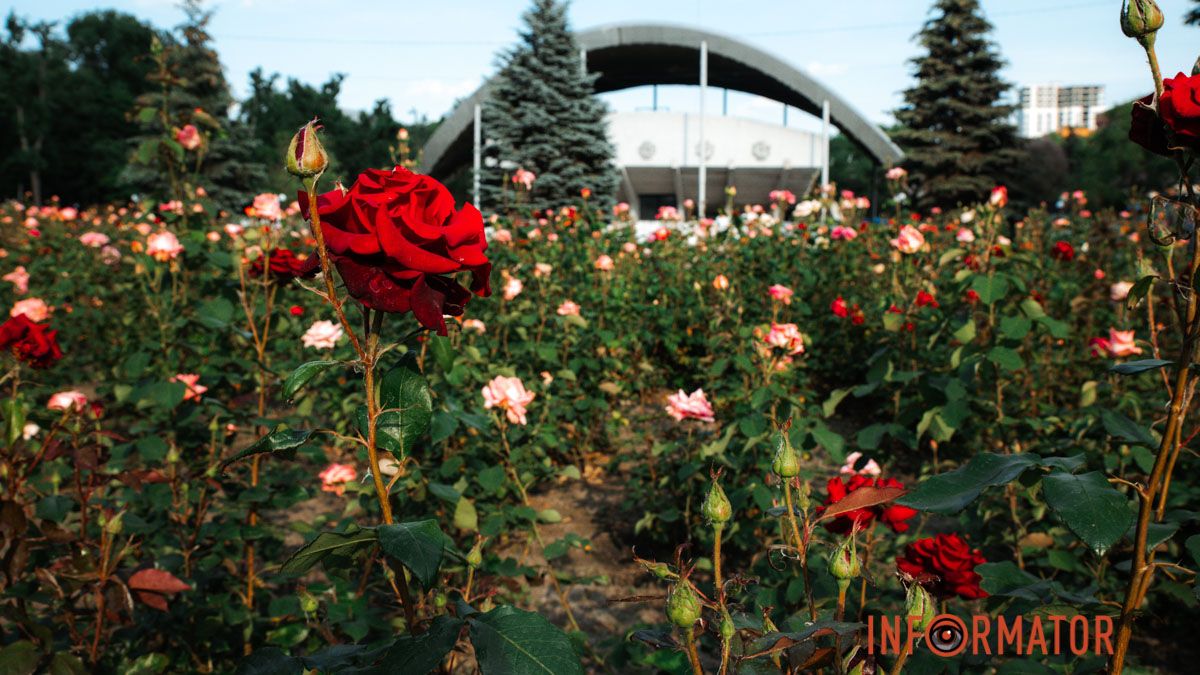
x: 947, y: 635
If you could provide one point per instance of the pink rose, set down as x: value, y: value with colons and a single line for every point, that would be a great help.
x: 910, y: 240
x: 188, y: 137
x: 721, y: 282
x: 267, y: 207
x: 781, y: 293
x: 568, y: 308
x: 322, y: 335
x: 68, y: 400
x: 501, y: 236
x: 19, y: 278
x: 474, y: 325
x: 964, y: 236
x: 870, y: 468
x: 335, y: 476
x: 192, y: 382
x: 509, y: 395
x: 513, y: 288
x: 163, y: 246
x: 681, y: 406
x: 93, y: 239
x: 1121, y: 343
x: 604, y: 263
x: 34, y: 309
x: 785, y: 336
x: 843, y: 232
x: 1119, y: 291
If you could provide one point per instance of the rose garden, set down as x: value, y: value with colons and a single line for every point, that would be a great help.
x: 367, y: 427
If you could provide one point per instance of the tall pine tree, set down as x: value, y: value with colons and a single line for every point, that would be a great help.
x: 954, y: 130
x: 544, y: 118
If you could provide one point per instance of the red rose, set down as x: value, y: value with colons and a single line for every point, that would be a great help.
x: 945, y: 565
x: 285, y: 265
x: 925, y: 298
x: 1180, y: 111
x: 839, y: 308
x: 397, y: 239
x: 892, y: 515
x: 30, y: 342
x: 1146, y: 129
x: 1063, y: 251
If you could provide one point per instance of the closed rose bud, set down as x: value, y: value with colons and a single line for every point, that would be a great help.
x: 920, y: 604
x: 1140, y: 18
x: 306, y: 156
x: 717, y: 508
x: 844, y: 564
x: 115, y: 525
x: 786, y: 463
x: 683, y: 605
x: 475, y: 556
x: 308, y: 602
x: 727, y: 628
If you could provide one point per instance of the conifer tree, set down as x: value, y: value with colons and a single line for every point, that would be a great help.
x: 191, y: 89
x: 955, y: 131
x: 544, y: 118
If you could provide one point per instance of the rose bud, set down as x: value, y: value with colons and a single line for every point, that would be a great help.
x: 787, y: 463
x: 475, y: 556
x: 306, y: 156
x: 727, y: 628
x: 1140, y: 18
x: 920, y: 604
x: 844, y: 564
x: 683, y: 606
x: 717, y: 508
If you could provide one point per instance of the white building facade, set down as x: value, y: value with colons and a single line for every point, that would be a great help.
x: 658, y: 154
x: 1050, y: 108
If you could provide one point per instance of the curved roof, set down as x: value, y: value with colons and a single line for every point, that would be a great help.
x: 627, y: 56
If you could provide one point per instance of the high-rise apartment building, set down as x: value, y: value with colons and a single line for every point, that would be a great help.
x: 1051, y: 108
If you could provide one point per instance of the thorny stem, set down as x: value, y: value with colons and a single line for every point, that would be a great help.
x: 801, y: 547
x: 693, y: 654
x: 1143, y: 567
x: 718, y: 529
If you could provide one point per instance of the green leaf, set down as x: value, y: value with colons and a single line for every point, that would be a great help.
x: 326, y: 544
x: 966, y: 332
x: 831, y: 403
x: 990, y: 289
x: 1006, y: 358
x: 19, y: 658
x: 1126, y: 429
x: 302, y: 375
x: 66, y: 663
x: 418, y: 545
x: 1193, y: 546
x: 406, y: 408
x: 269, y: 661
x: 1139, y: 290
x: 950, y: 492
x: 511, y: 641
x: 1094, y: 510
x: 1133, y: 367
x: 422, y: 653
x: 442, y: 352
x: 1015, y: 327
x: 1005, y: 578
x: 14, y: 419
x: 280, y: 439
x: 215, y: 313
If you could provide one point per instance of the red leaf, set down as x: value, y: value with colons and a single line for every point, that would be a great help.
x: 151, y: 586
x: 862, y: 498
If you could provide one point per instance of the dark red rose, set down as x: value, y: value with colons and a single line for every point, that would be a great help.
x: 925, y: 298
x: 1146, y: 129
x: 1063, y: 251
x: 30, y: 342
x: 397, y: 239
x: 945, y: 565
x: 1179, y: 109
x: 892, y: 515
x: 285, y: 265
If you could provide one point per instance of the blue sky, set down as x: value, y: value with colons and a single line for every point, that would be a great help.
x: 423, y: 55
